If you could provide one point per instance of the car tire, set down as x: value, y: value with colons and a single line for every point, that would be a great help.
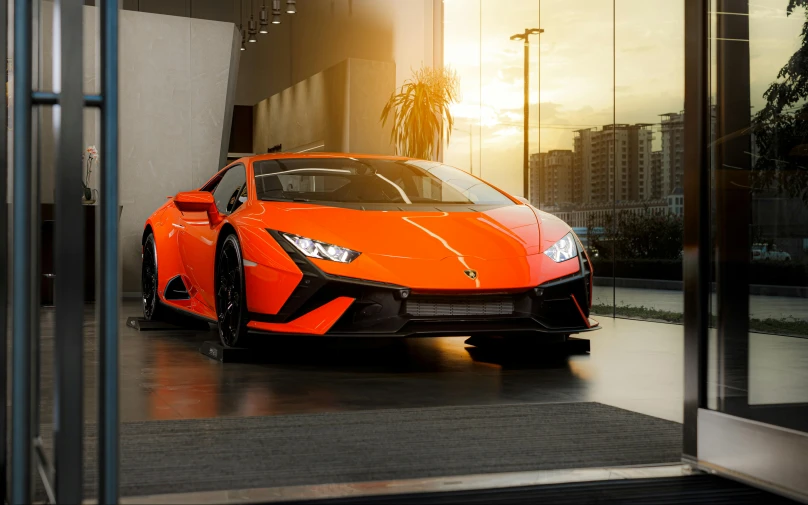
x: 153, y: 309
x: 231, y: 300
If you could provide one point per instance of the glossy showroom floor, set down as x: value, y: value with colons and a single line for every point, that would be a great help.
x: 634, y: 365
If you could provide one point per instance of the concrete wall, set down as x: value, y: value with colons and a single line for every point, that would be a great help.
x: 175, y: 76
x: 338, y: 108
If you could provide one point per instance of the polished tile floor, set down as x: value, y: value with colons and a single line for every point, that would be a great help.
x: 635, y: 365
x: 632, y: 364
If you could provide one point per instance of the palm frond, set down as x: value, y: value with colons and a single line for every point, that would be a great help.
x: 421, y: 109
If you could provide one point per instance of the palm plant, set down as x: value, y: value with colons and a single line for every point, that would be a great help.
x: 420, y: 109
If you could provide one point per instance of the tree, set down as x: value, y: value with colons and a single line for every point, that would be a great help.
x: 781, y: 127
x: 420, y: 109
x: 637, y: 236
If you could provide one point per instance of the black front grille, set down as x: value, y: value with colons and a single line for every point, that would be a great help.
x: 460, y: 306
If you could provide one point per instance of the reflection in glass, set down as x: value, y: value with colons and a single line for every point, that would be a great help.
x: 761, y: 353
x: 572, y: 167
x: 778, y: 367
x: 462, y: 46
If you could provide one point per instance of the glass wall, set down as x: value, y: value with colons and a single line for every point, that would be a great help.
x: 761, y: 211
x: 574, y: 166
x: 606, y: 127
x: 462, y: 51
x: 490, y: 114
x: 778, y: 224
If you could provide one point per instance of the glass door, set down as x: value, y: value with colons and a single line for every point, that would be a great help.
x: 754, y: 418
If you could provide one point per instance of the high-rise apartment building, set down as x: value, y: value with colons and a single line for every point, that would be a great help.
x: 535, y: 167
x: 557, y: 178
x: 614, y: 163
x: 673, y: 151
x: 582, y: 160
x: 656, y: 175
x: 554, y: 178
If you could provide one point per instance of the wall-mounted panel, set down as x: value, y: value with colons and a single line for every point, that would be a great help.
x: 176, y: 89
x: 340, y: 107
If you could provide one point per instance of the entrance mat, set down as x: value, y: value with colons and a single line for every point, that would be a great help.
x: 700, y: 489
x: 254, y: 452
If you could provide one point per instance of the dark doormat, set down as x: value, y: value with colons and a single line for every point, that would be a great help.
x: 701, y: 489
x: 251, y: 452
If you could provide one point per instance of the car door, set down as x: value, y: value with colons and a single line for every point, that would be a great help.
x: 198, y: 238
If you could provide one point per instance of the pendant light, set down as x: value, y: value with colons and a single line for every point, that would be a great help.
x: 290, y: 7
x: 276, y: 12
x: 263, y: 17
x: 241, y: 26
x: 252, y: 26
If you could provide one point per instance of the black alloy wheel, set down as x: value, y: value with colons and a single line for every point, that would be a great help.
x: 231, y: 302
x: 152, y: 309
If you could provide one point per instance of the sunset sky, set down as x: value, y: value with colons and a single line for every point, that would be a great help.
x: 591, y: 74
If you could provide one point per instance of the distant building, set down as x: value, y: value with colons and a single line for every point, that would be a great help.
x: 536, y: 185
x: 673, y: 149
x: 614, y: 163
x: 676, y: 202
x: 556, y: 178
x: 656, y: 175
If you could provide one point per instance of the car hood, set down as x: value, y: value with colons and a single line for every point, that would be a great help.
x: 510, y: 231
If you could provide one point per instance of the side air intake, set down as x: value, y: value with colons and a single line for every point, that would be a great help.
x: 175, y: 289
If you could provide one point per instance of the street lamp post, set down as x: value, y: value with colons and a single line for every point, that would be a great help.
x: 526, y: 161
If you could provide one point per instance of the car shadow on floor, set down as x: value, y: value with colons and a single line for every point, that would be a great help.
x: 377, y: 355
x: 411, y: 355
x: 530, y: 356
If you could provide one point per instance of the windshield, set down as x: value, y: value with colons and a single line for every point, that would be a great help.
x: 350, y: 180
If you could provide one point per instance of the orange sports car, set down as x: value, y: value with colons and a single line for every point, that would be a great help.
x: 358, y: 245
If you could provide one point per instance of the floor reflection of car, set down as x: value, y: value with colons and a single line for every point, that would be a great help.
x: 769, y: 252
x: 351, y: 245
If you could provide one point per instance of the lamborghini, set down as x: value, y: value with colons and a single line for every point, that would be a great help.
x: 361, y: 245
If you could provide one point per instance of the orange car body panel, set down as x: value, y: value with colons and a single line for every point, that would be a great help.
x: 427, y: 252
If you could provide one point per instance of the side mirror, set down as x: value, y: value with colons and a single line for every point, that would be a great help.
x: 198, y: 201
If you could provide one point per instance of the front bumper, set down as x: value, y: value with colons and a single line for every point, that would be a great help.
x: 560, y: 306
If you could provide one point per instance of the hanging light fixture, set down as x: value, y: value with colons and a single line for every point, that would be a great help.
x: 276, y: 12
x: 252, y: 26
x: 290, y: 7
x: 263, y: 17
x: 241, y: 26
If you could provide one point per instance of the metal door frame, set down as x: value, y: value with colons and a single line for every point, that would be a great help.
x: 62, y: 478
x: 736, y: 442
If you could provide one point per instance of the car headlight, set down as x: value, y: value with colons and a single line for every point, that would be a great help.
x: 563, y: 250
x: 321, y: 250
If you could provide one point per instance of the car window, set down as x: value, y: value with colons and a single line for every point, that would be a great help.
x: 228, y: 193
x: 370, y: 180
